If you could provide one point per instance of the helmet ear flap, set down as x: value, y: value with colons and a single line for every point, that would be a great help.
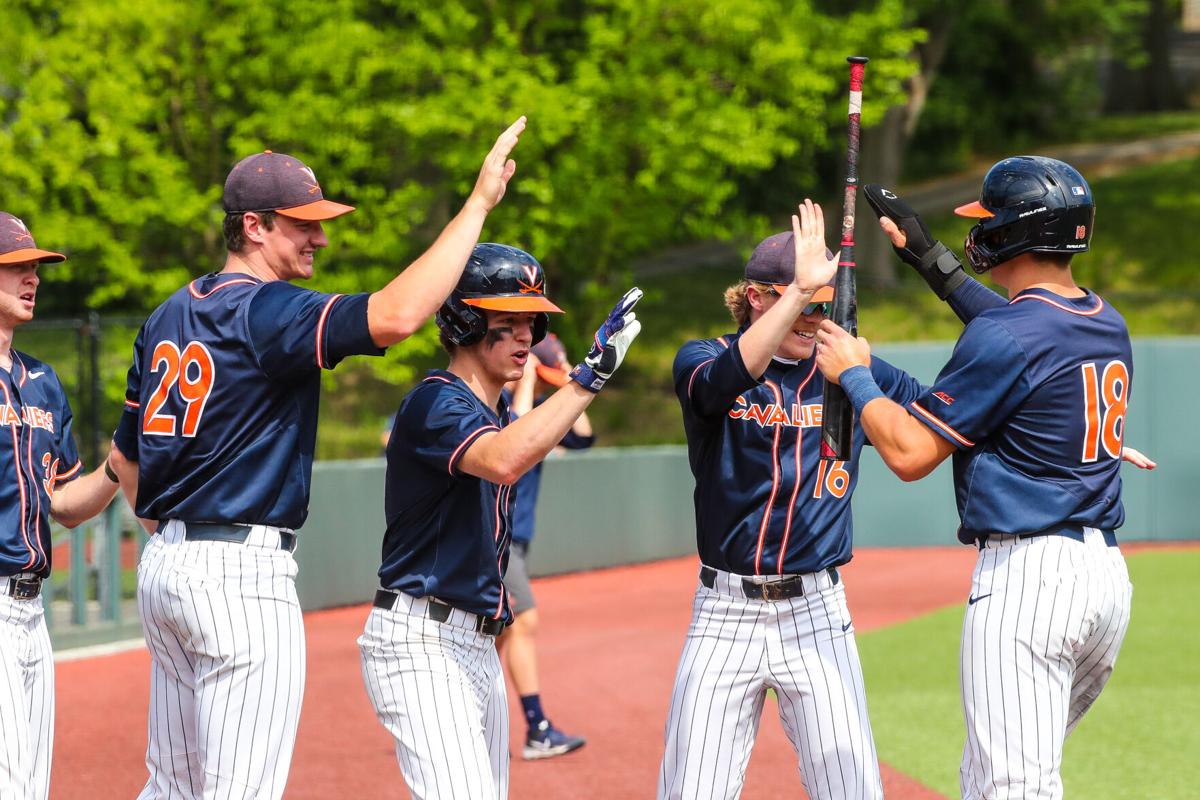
x: 541, y: 326
x: 462, y: 324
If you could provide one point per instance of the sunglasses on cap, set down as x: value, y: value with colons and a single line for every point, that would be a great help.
x: 808, y: 310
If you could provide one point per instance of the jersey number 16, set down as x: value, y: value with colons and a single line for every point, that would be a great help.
x: 1105, y: 400
x: 192, y: 371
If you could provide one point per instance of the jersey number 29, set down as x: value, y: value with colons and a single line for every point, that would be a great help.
x: 1105, y: 400
x: 193, y: 372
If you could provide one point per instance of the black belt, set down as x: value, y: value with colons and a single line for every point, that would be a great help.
x: 217, y: 532
x: 772, y: 590
x: 440, y: 612
x: 1073, y: 532
x: 24, y: 587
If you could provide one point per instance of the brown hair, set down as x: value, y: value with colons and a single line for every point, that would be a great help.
x: 235, y: 232
x: 738, y: 303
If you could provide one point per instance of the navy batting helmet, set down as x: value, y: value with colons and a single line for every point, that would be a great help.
x: 500, y: 278
x: 1028, y: 204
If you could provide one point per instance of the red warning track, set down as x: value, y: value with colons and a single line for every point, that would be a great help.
x: 608, y: 648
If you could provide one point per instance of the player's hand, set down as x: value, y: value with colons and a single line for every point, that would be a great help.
x: 610, y: 344
x: 838, y: 351
x: 814, y: 266
x: 497, y: 168
x: 913, y: 242
x: 1137, y: 458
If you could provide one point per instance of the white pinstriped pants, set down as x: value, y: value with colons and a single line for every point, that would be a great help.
x: 26, y: 699
x: 438, y: 688
x: 226, y: 639
x: 737, y: 648
x: 1042, y: 630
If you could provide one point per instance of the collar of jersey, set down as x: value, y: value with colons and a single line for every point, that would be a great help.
x: 1088, y: 302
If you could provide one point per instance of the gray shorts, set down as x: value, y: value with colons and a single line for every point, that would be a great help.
x: 516, y: 580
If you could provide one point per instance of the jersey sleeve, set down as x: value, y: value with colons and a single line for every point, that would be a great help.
x: 895, y: 383
x: 972, y: 298
x: 985, y: 379
x: 709, y: 376
x: 439, y: 422
x: 70, y: 466
x: 293, y: 329
x: 126, y: 435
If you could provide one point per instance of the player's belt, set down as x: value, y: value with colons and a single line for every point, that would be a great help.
x: 440, y: 612
x: 771, y: 590
x: 214, y: 532
x: 25, y: 586
x: 1073, y: 532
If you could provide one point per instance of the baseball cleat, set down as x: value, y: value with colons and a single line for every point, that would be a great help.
x: 548, y: 741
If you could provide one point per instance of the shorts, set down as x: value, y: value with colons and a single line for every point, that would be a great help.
x: 516, y: 579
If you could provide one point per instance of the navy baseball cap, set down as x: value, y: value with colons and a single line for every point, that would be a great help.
x: 278, y: 182
x: 17, y: 245
x: 773, y: 262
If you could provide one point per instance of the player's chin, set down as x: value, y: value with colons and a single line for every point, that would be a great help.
x: 798, y: 346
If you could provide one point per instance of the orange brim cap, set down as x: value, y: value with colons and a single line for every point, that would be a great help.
x: 974, y: 211
x: 514, y: 303
x: 553, y: 375
x: 316, y: 210
x: 822, y: 295
x: 31, y: 254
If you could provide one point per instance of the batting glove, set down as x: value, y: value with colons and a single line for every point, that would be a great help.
x: 940, y: 268
x: 610, y: 344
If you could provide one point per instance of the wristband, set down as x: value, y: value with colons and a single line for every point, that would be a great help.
x: 108, y: 470
x: 859, y: 385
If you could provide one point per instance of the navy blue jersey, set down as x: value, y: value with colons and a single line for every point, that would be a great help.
x: 766, y: 504
x: 221, y: 404
x: 36, y: 455
x: 447, y: 531
x: 1034, y: 398
x: 525, y: 491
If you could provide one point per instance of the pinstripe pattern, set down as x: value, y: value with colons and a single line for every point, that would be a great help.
x: 1038, y: 645
x: 439, y: 690
x: 226, y: 639
x: 737, y: 648
x: 26, y: 699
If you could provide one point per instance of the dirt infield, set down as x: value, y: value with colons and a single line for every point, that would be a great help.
x: 609, y: 645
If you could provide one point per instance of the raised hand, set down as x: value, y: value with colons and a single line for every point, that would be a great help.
x: 814, y: 267
x: 498, y: 168
x: 610, y: 344
x: 913, y: 242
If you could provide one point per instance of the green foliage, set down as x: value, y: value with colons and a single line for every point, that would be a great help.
x: 1135, y: 743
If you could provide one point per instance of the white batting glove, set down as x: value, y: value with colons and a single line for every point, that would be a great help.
x: 611, y: 343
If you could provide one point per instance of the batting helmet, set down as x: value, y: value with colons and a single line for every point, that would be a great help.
x: 1028, y: 204
x: 500, y: 278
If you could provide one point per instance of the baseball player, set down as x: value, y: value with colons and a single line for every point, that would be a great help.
x: 773, y: 525
x: 429, y: 657
x: 217, y: 443
x: 42, y: 478
x: 1032, y: 406
x: 546, y: 369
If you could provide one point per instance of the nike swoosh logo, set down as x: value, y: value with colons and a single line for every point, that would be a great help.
x: 37, y: 374
x: 846, y: 627
x: 973, y: 600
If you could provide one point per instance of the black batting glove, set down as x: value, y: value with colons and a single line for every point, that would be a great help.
x: 940, y: 268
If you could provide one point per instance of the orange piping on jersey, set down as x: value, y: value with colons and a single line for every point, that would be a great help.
x: 472, y: 437
x: 437, y: 378
x: 37, y: 520
x: 775, y: 476
x: 62, y: 476
x: 321, y: 327
x: 218, y: 287
x: 955, y: 435
x: 132, y: 404
x: 699, y: 367
x: 787, y: 528
x: 1056, y: 304
x: 20, y: 480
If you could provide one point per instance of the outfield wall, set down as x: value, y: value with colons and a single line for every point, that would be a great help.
x: 611, y: 506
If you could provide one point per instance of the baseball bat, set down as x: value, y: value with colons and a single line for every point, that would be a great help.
x: 837, y: 415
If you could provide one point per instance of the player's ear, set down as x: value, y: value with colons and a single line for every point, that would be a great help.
x: 254, y: 227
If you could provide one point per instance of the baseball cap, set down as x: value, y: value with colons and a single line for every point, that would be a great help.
x: 773, y: 262
x: 17, y: 246
x: 552, y: 357
x: 277, y: 182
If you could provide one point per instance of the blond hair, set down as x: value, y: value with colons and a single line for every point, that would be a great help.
x: 738, y: 303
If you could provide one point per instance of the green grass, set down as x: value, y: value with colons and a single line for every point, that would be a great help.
x: 1139, y: 741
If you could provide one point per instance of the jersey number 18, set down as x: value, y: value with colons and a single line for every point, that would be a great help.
x: 192, y: 371
x: 1105, y: 400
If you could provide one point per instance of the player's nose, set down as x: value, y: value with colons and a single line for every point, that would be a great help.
x: 318, y: 238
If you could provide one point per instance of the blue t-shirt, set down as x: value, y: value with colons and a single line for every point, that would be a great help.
x: 222, y: 397
x: 766, y: 504
x: 37, y: 455
x: 1034, y: 398
x: 447, y: 531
